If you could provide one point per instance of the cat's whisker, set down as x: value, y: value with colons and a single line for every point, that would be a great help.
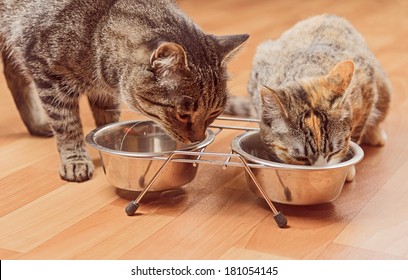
x: 133, y: 109
x: 119, y: 109
x: 291, y: 162
x: 124, y: 136
x: 347, y: 148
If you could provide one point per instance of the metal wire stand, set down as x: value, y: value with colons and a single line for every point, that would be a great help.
x: 240, y: 162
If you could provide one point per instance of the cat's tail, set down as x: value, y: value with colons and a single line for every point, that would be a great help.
x: 239, y: 106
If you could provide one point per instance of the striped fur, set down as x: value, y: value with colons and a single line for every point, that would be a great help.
x: 145, y: 53
x: 316, y: 88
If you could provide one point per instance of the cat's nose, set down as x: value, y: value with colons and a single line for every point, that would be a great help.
x: 196, y: 136
x: 319, y: 161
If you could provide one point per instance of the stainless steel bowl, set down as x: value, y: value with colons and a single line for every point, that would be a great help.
x: 133, y: 151
x: 294, y: 184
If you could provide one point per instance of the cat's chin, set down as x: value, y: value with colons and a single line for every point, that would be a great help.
x: 321, y: 161
x: 271, y: 156
x: 181, y: 140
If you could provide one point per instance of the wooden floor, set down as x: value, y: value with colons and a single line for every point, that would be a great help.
x: 216, y: 216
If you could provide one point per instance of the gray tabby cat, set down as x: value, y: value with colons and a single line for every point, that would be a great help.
x: 316, y: 88
x: 144, y: 52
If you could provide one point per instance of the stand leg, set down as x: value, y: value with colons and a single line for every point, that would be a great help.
x: 134, y: 204
x: 277, y: 215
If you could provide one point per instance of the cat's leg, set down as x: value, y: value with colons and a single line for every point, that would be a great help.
x: 105, y: 109
x: 26, y: 98
x: 374, y: 134
x: 62, y: 107
x: 361, y: 116
x: 239, y: 106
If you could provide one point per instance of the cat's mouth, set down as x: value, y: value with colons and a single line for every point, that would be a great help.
x: 186, y: 139
x: 180, y: 138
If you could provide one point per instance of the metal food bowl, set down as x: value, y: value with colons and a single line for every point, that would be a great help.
x: 132, y: 152
x: 294, y: 184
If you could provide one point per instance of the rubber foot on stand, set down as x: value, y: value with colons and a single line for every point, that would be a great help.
x: 280, y: 220
x: 131, y: 208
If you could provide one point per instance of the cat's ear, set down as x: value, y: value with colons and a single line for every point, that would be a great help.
x: 272, y: 103
x: 168, y: 58
x: 229, y: 46
x: 340, y: 76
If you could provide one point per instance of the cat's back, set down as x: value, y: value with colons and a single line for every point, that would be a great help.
x: 327, y: 29
x: 310, y: 48
x: 20, y: 18
x: 17, y: 14
x: 23, y: 20
x: 77, y: 22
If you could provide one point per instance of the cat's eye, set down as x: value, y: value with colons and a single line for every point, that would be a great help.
x: 330, y: 156
x: 184, y: 118
x: 216, y: 113
x: 277, y: 147
x: 301, y: 159
x: 212, y: 116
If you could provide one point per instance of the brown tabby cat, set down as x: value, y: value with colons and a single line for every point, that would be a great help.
x: 316, y: 88
x: 146, y: 53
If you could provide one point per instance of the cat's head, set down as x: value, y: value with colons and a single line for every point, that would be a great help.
x: 309, y: 122
x: 186, y: 91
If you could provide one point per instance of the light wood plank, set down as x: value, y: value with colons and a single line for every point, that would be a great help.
x: 141, y: 229
x: 337, y: 251
x: 27, y: 185
x: 199, y: 233
x: 238, y: 254
x: 8, y: 254
x: 30, y: 150
x: 381, y: 225
x: 39, y: 220
x: 99, y: 236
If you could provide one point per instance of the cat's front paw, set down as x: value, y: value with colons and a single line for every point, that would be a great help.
x: 77, y: 171
x: 351, y: 174
x: 375, y: 137
x: 382, y: 138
